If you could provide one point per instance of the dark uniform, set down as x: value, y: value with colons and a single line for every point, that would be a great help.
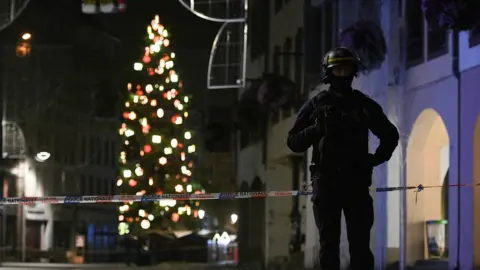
x: 336, y: 123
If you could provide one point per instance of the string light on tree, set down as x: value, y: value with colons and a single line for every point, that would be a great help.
x: 158, y: 154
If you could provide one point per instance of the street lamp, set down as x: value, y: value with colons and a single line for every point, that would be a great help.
x: 42, y: 156
x: 234, y: 218
x: 26, y: 36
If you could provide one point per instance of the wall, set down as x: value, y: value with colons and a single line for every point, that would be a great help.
x: 284, y: 24
x: 253, y: 244
x: 469, y: 164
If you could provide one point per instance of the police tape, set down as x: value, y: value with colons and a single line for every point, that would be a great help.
x: 186, y: 196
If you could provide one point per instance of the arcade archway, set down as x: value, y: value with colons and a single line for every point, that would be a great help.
x: 427, y: 164
x: 476, y: 194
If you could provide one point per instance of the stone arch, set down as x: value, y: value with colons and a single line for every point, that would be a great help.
x: 257, y: 184
x: 476, y: 193
x: 427, y: 163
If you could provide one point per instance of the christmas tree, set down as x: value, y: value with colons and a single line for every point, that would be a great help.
x: 158, y: 153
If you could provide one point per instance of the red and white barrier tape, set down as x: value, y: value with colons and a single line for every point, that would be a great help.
x: 184, y: 197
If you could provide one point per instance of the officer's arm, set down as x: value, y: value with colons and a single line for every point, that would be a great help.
x: 304, y: 132
x: 386, y: 132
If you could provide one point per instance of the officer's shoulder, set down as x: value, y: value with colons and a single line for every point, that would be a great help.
x: 322, y: 96
x: 365, y: 98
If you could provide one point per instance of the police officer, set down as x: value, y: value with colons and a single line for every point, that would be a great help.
x: 336, y: 123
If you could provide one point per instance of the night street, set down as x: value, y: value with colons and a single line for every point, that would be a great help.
x: 173, y: 266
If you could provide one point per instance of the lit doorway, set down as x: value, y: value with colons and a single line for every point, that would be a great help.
x: 428, y: 158
x: 476, y: 194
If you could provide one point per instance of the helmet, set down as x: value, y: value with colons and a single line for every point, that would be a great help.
x: 340, y: 56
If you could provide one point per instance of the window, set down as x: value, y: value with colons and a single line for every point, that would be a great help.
x: 83, y: 149
x: 98, y: 151
x: 91, y: 186
x: 113, y: 186
x: 437, y: 41
x: 74, y: 187
x: 276, y: 60
x: 91, y: 151
x: 99, y: 186
x: 287, y: 56
x: 415, y: 32
x: 56, y: 148
x: 106, y: 187
x: 298, y: 79
x: 113, y: 154
x: 83, y: 185
x: 278, y: 5
x: 474, y: 38
x: 106, y: 153
x: 276, y: 70
x: 259, y: 27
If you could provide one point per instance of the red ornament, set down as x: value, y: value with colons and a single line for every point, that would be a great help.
x: 125, y: 115
x: 174, y: 119
x: 159, y: 191
x: 151, y: 71
x: 132, y: 182
x: 147, y: 148
x: 139, y: 93
x: 146, y: 59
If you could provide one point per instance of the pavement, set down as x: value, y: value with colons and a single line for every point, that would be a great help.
x: 166, y: 266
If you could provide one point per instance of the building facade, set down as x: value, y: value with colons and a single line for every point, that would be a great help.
x: 57, y: 96
x: 275, y: 46
x: 425, y: 92
x: 429, y: 97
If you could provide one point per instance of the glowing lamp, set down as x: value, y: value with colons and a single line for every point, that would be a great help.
x: 127, y: 173
x: 233, y: 218
x: 42, y: 156
x: 138, y: 66
x: 26, y: 36
x: 178, y: 188
x: 201, y: 214
x: 174, y: 143
x: 160, y: 113
x: 162, y: 161
x: 156, y: 139
x: 145, y: 224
